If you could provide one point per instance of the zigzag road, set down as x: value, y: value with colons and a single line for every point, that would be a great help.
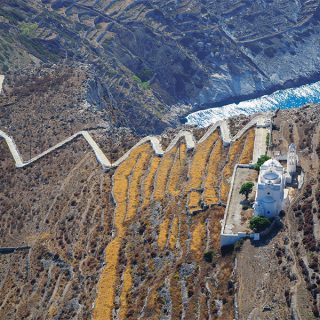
x: 154, y: 141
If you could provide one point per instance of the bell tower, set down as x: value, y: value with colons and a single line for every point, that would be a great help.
x: 292, y: 159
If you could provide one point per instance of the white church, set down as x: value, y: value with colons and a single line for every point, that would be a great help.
x: 271, y: 184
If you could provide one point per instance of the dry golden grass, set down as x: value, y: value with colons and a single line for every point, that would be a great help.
x: 199, y: 161
x: 211, y: 187
x: 53, y: 311
x: 162, y: 174
x: 194, y: 201
x: 120, y: 179
x: 224, y: 190
x: 198, y: 170
x: 176, y: 171
x: 198, y: 236
x: 174, y: 233
x: 247, y: 153
x: 108, y: 279
x: 134, y: 191
x: 235, y: 150
x: 163, y: 233
x: 127, y: 285
x: 149, y: 181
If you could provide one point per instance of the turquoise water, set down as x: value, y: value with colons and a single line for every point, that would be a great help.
x: 282, y: 99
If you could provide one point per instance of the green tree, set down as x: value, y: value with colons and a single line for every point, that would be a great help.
x: 246, y: 189
x: 262, y: 159
x: 28, y: 28
x: 259, y: 223
x: 145, y: 85
x: 209, y: 256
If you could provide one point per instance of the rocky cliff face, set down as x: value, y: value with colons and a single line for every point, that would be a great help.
x: 148, y: 56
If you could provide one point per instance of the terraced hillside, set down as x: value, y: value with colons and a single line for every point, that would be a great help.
x: 155, y: 264
x: 61, y: 208
x: 142, y: 240
x: 152, y: 61
x: 131, y: 229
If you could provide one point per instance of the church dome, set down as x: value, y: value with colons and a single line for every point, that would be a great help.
x: 270, y: 175
x: 272, y: 163
x: 271, y: 172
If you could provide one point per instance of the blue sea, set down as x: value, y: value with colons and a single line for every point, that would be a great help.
x: 282, y: 99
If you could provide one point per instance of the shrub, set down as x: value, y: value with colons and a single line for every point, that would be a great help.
x: 237, y: 246
x: 268, y: 139
x: 208, y: 256
x: 262, y: 159
x: 28, y: 28
x: 259, y: 223
x: 144, y: 85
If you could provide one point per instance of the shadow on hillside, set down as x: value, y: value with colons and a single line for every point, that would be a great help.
x: 265, y: 238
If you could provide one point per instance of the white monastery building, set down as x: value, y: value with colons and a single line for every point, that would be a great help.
x: 271, y: 184
x: 270, y: 189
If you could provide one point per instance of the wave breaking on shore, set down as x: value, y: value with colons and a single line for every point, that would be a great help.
x: 282, y: 99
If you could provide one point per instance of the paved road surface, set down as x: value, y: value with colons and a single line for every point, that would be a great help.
x: 155, y: 142
x: 260, y: 144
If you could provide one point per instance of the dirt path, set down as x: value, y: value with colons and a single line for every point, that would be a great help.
x: 295, y: 270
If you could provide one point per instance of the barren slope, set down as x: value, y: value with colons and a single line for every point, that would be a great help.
x: 131, y: 242
x: 61, y: 207
x: 148, y: 57
x: 282, y: 275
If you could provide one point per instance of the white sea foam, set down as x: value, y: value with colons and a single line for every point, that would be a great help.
x: 283, y: 99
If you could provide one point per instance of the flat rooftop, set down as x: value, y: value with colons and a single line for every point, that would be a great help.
x: 235, y: 217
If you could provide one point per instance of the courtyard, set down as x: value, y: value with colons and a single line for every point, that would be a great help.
x: 238, y: 212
